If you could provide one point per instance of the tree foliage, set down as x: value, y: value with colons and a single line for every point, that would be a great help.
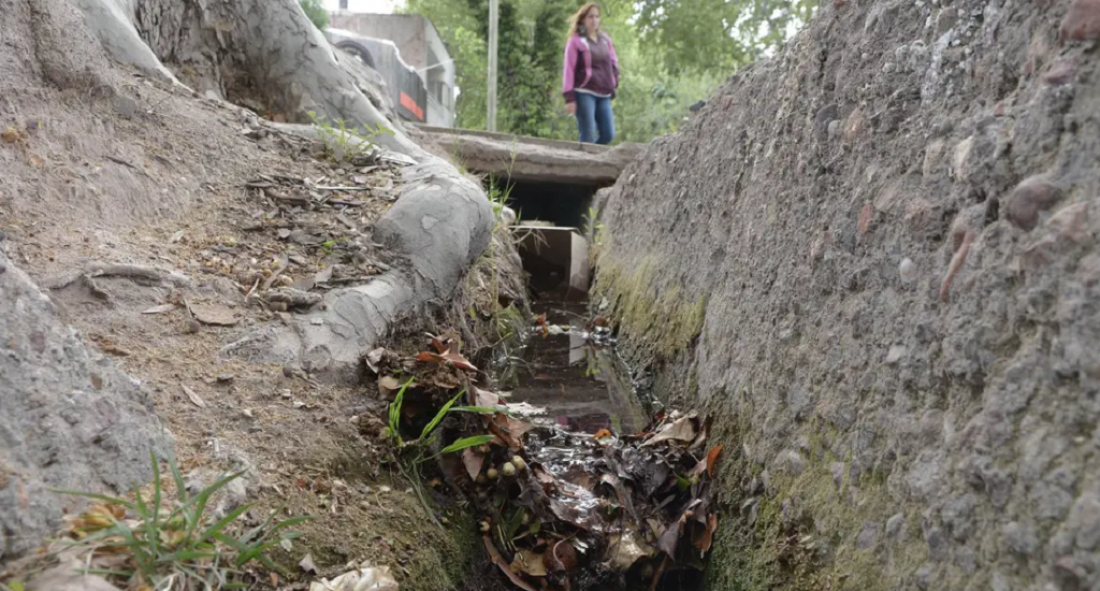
x: 316, y: 12
x: 672, y: 52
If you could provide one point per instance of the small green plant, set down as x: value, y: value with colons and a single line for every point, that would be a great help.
x: 344, y: 143
x: 428, y: 435
x: 182, y: 547
x: 419, y: 451
x: 328, y: 245
x: 498, y: 196
x: 596, y: 232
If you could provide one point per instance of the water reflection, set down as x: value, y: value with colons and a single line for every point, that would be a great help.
x: 584, y: 387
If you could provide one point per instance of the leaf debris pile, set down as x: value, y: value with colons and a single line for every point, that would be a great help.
x: 560, y: 510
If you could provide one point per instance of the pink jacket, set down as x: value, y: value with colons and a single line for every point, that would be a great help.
x: 578, y: 67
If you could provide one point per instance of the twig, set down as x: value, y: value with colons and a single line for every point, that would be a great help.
x: 956, y: 264
x: 343, y: 188
x: 657, y: 575
x: 122, y: 162
x: 253, y: 290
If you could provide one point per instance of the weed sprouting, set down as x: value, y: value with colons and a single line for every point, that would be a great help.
x: 419, y: 451
x: 344, y: 143
x: 145, y: 545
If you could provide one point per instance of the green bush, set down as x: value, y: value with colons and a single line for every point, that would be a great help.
x: 316, y: 12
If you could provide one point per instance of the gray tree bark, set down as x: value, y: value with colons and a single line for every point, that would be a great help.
x: 258, y: 53
x: 267, y: 54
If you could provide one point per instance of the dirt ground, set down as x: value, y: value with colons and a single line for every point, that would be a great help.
x: 139, y: 173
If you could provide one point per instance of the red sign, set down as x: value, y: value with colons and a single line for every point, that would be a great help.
x: 408, y: 102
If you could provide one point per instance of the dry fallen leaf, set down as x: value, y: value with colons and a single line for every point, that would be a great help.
x: 712, y: 459
x: 703, y: 536
x: 374, y: 357
x: 473, y: 462
x: 529, y: 563
x: 387, y: 385
x: 681, y: 430
x: 193, y: 397
x: 447, y: 357
x: 504, y: 566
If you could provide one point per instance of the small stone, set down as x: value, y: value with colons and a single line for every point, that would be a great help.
x: 1068, y: 575
x: 918, y: 214
x: 1019, y: 538
x: 248, y: 413
x: 895, y: 354
x: 1061, y: 72
x: 960, y: 157
x: 895, y: 527
x: 1033, y: 195
x: 868, y: 537
x: 124, y: 106
x: 1082, y: 20
x: 957, y: 515
x: 946, y: 19
x: 966, y: 560
x: 906, y: 269
x: 837, y: 470
x: 855, y: 126
x: 793, y: 462
x: 889, y: 68
x: 1085, y: 515
x: 192, y: 327
x: 1071, y: 222
x: 866, y: 216
x: 923, y: 577
x: 937, y: 544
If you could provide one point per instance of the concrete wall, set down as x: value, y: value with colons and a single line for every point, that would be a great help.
x: 875, y: 258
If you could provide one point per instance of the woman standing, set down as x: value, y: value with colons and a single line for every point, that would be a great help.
x: 590, y: 76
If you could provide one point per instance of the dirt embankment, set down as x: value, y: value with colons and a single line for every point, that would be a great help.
x: 876, y: 254
x: 163, y: 226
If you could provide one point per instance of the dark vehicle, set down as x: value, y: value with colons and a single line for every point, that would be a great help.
x: 407, y: 89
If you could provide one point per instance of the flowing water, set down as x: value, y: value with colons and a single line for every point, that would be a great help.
x: 583, y: 385
x: 605, y: 494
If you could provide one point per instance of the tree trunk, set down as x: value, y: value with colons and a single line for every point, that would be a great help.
x: 262, y: 54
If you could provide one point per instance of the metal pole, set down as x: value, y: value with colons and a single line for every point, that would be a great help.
x: 491, y: 122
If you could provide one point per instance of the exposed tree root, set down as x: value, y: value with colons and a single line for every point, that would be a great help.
x: 101, y: 269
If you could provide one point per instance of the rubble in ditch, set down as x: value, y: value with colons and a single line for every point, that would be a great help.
x: 559, y: 510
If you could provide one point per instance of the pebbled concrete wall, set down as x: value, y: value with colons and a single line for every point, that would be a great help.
x: 875, y: 258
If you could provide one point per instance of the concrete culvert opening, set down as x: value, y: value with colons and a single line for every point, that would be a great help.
x: 560, y: 204
x: 550, y: 224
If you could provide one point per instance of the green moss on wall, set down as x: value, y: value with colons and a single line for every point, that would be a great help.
x: 657, y: 318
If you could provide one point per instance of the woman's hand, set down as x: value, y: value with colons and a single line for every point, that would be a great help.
x: 571, y: 108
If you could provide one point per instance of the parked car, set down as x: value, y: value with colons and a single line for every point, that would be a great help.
x: 405, y: 86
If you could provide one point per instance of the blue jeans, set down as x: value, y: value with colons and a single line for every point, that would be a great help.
x: 595, y: 113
